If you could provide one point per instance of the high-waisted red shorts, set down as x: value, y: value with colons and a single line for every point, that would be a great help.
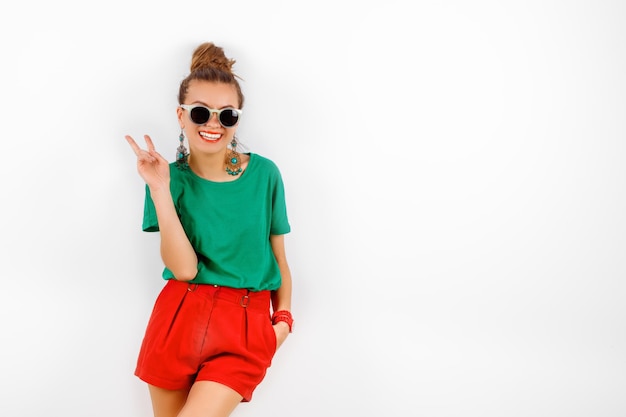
x: 207, y: 333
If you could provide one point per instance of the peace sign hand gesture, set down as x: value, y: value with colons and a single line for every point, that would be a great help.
x: 152, y: 167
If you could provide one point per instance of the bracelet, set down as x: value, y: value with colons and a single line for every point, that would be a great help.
x: 283, y: 315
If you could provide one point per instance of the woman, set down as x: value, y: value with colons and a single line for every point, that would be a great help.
x: 222, y: 218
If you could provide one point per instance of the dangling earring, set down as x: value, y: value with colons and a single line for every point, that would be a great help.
x: 182, y: 155
x: 233, y: 160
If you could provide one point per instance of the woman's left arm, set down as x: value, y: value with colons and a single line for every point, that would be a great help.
x: 281, y: 298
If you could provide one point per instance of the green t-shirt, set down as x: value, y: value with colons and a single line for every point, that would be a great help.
x: 229, y: 224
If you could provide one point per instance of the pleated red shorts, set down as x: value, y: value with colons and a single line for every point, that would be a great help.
x: 207, y: 333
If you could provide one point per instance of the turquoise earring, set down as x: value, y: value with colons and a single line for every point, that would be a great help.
x: 182, y: 156
x: 233, y: 159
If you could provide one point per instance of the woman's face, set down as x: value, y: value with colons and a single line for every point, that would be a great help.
x: 210, y: 137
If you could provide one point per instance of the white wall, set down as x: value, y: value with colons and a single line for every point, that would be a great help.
x: 455, y: 180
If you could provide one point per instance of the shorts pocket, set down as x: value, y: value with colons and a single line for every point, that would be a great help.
x: 272, y: 336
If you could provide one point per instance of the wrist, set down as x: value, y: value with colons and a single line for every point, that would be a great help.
x: 160, y: 190
x: 283, y: 316
x: 284, y: 327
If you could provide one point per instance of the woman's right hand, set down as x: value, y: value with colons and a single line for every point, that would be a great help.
x: 152, y: 167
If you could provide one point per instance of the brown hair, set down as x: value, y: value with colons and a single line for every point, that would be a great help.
x: 209, y: 63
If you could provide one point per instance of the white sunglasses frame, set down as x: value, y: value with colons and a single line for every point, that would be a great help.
x: 190, y: 107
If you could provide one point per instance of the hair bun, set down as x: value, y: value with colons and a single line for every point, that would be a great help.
x: 210, y: 55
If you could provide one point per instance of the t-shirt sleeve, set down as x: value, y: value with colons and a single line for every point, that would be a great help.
x: 280, y: 221
x: 150, y: 221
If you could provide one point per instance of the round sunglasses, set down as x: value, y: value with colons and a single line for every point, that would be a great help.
x: 227, y: 116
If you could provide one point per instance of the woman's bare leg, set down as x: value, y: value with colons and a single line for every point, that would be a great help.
x: 210, y: 399
x: 167, y: 403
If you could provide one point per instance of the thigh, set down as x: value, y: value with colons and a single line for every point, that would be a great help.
x: 167, y: 403
x: 210, y: 399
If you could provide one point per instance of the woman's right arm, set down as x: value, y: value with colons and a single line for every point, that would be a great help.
x: 176, y: 251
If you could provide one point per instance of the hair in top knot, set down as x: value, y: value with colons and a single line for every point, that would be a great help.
x: 210, y: 55
x: 209, y: 63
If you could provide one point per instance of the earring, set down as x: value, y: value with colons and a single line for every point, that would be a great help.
x: 182, y: 155
x: 233, y: 161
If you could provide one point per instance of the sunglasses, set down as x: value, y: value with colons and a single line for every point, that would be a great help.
x: 228, y: 116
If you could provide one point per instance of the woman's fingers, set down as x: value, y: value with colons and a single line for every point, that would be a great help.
x: 152, y: 149
x: 136, y: 147
x: 133, y: 144
x: 149, y: 143
x: 150, y: 155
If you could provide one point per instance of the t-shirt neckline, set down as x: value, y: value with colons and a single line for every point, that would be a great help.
x: 240, y: 178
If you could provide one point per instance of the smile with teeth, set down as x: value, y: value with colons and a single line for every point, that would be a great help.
x: 210, y: 137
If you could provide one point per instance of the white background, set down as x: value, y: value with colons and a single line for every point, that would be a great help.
x: 455, y: 184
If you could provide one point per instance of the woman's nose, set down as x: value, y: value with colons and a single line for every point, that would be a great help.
x: 213, y: 120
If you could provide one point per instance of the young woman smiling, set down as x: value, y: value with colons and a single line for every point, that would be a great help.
x: 221, y: 214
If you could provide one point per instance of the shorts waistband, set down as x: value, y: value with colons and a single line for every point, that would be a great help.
x: 255, y: 300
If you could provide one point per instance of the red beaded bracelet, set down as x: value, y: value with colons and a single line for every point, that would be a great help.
x: 283, y: 315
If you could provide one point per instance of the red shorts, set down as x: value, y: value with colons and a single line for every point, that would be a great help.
x: 207, y: 333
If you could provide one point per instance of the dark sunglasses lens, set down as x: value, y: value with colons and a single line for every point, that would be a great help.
x: 199, y: 115
x: 229, y: 117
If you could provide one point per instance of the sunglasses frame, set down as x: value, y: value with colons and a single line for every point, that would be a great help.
x: 190, y: 107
